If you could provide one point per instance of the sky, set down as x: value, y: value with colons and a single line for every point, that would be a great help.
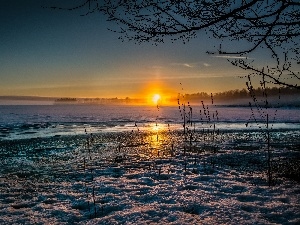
x: 58, y: 53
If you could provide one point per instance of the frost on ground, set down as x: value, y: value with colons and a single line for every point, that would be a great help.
x: 149, y: 178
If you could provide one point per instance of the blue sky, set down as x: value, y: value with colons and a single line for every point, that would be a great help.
x: 59, y: 53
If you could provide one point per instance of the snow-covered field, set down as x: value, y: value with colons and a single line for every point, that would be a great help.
x: 150, y: 178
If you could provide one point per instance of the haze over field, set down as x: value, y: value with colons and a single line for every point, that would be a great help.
x: 283, y: 97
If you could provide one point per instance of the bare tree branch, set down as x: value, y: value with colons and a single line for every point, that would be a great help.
x: 273, y: 25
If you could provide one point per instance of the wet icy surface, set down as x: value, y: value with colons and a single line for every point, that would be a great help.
x: 39, y: 121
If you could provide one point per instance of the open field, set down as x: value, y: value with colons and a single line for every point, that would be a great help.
x: 149, y: 178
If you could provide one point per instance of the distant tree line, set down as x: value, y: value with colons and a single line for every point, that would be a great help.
x: 242, y: 94
x: 66, y: 100
x: 102, y: 101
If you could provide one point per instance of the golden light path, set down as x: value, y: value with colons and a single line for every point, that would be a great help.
x: 157, y: 139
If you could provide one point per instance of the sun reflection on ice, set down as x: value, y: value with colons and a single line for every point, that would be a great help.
x: 158, y: 139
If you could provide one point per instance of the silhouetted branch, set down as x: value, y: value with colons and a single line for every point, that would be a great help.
x: 272, y: 24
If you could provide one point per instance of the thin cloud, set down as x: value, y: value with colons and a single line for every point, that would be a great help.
x: 189, y: 65
x: 230, y: 57
x: 200, y: 76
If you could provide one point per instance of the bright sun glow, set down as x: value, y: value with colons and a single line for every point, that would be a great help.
x: 156, y: 98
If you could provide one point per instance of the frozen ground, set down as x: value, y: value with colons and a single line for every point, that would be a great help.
x: 142, y: 178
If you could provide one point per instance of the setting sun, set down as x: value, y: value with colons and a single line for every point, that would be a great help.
x: 156, y: 98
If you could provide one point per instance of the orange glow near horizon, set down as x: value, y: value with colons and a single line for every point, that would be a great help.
x: 157, y: 93
x: 156, y: 98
